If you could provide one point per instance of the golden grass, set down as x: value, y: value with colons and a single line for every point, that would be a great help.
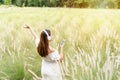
x: 92, y: 48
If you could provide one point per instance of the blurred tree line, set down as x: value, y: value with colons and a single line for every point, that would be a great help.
x: 64, y: 3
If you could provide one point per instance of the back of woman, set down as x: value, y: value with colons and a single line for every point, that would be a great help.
x: 50, y: 68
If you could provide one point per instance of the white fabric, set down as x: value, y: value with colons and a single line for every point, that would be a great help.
x: 50, y: 68
x: 55, y: 55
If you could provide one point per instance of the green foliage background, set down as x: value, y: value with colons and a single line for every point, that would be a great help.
x: 64, y: 3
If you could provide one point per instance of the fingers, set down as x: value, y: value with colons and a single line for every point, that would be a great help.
x: 62, y: 43
x: 26, y: 26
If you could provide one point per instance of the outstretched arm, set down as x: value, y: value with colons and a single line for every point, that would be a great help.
x: 32, y: 31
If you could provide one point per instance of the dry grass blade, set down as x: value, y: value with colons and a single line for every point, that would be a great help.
x: 35, y: 77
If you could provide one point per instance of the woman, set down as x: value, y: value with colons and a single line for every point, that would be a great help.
x: 50, y: 68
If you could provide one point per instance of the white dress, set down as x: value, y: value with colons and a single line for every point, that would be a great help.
x: 50, y: 68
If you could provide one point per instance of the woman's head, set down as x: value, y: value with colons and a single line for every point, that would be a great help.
x: 43, y: 46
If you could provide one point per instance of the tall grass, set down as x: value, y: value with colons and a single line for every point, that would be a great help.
x: 92, y: 49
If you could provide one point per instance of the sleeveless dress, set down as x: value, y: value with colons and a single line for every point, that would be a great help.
x: 50, y: 68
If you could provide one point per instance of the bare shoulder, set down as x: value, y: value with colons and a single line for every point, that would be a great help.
x: 52, y: 49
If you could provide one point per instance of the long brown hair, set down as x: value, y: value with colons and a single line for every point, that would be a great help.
x: 43, y: 45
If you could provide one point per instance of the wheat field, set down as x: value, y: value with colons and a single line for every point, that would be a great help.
x: 92, y: 48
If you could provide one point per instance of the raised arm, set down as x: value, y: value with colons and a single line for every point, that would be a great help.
x: 61, y: 54
x: 32, y: 31
x: 61, y: 51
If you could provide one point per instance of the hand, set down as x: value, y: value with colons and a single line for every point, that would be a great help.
x: 27, y: 26
x: 62, y: 43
